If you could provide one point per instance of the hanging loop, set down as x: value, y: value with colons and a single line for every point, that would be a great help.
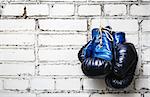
x: 108, y: 34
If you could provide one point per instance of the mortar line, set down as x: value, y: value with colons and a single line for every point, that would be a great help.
x: 139, y: 2
x: 89, y: 23
x: 79, y: 2
x: 140, y: 45
x: 36, y: 48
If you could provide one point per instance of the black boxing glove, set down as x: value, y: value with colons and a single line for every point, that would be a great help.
x: 96, y: 66
x: 119, y: 82
x: 124, y: 63
x: 123, y: 55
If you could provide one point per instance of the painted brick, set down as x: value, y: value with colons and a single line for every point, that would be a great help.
x: 58, y: 55
x: 1, y: 84
x: 115, y: 9
x: 13, y: 10
x: 23, y: 68
x: 16, y: 39
x: 146, y: 68
x: 60, y: 24
x: 63, y: 26
x: 18, y: 24
x: 32, y: 9
x: 89, y: 10
x: 65, y: 95
x: 117, y: 95
x: 147, y: 95
x: 69, y: 86
x: 145, y: 37
x: 112, y: 0
x: 146, y: 25
x: 38, y: 9
x: 22, y: 1
x: 0, y: 10
x: 19, y: 32
x: 64, y: 0
x: 127, y: 25
x: 15, y: 84
x: 132, y: 38
x: 138, y: 68
x: 17, y: 94
x: 140, y: 10
x: 94, y: 84
x: 60, y: 70
x: 42, y: 84
x: 17, y: 54
x: 62, y: 39
x: 62, y: 32
x: 142, y: 83
x: 62, y: 9
x: 145, y: 55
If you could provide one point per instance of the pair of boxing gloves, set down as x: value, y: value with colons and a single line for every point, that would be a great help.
x: 108, y: 54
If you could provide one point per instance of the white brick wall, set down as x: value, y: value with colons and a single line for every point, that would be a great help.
x: 13, y: 10
x: 60, y: 70
x: 113, y: 0
x: 146, y: 68
x: 146, y: 95
x: 62, y: 9
x: 65, y: 95
x: 18, y: 10
x: 59, y: 24
x: 142, y: 83
x: 85, y: 10
x: 42, y: 84
x: 62, y: 39
x: 58, y: 55
x: 22, y: 68
x: 20, y: 24
x: 124, y: 24
x: 115, y: 9
x: 140, y: 10
x: 17, y: 54
x: 116, y: 95
x: 15, y: 84
x: 145, y: 25
x: 1, y: 84
x: 145, y: 38
x: 145, y: 55
x: 132, y: 37
x: 72, y: 84
x: 38, y: 53
x: 37, y: 10
x: 94, y: 84
x: 17, y: 95
x: 16, y: 39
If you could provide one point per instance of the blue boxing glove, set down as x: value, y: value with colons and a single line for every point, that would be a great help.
x: 96, y: 55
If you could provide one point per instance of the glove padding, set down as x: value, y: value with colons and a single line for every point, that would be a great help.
x: 81, y: 54
x: 124, y: 63
x: 96, y: 66
x: 124, y: 60
x: 117, y: 82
